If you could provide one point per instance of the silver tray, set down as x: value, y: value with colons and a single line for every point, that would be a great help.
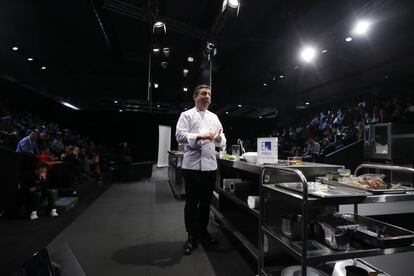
x: 333, y: 191
x: 400, y: 190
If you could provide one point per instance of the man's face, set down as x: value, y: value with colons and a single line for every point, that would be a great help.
x: 203, y: 98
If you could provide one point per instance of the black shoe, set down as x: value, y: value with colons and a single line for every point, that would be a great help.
x: 190, y: 245
x: 207, y: 238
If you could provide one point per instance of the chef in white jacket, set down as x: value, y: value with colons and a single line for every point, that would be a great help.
x: 200, y: 131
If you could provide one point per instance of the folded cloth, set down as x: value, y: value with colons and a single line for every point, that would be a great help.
x: 253, y: 202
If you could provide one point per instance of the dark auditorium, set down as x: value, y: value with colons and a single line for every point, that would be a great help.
x: 207, y: 137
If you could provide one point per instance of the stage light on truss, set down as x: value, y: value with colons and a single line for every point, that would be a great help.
x: 308, y: 54
x: 361, y: 27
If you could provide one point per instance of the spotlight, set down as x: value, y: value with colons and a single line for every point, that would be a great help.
x: 361, y: 27
x: 308, y: 54
x: 185, y: 72
x: 239, y: 105
x: 15, y: 48
x: 121, y: 110
x: 185, y: 89
x: 156, y: 50
x: 260, y: 117
x: 155, y: 85
x: 227, y: 112
x: 30, y: 59
x: 281, y: 77
x: 158, y: 105
x: 234, y: 4
x: 324, y: 51
x: 166, y: 51
x: 115, y: 102
x: 264, y: 84
x: 159, y: 24
x: 307, y: 103
x: 190, y: 59
x: 164, y: 65
x: 348, y: 39
x: 43, y: 67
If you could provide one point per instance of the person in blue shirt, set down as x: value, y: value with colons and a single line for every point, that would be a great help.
x: 29, y: 144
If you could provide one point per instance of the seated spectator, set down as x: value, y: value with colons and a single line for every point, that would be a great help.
x: 47, y: 158
x: 36, y: 188
x: 65, y: 152
x: 94, y: 164
x: 29, y: 144
x: 312, y: 147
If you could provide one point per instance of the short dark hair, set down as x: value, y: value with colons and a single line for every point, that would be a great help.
x: 199, y: 87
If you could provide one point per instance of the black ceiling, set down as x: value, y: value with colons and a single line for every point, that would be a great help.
x: 97, y: 52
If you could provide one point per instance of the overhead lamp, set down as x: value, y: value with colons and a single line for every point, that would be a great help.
x: 260, y: 117
x: 308, y: 54
x: 185, y: 108
x: 234, y: 3
x: 307, y: 103
x: 239, y: 105
x: 190, y: 59
x: 15, y: 48
x: 158, y: 106
x: 281, y: 77
x: 43, y: 67
x: 115, y: 102
x: 71, y: 106
x: 264, y: 84
x: 296, y: 67
x: 185, y: 89
x: 348, y: 39
x: 121, y: 110
x: 324, y: 51
x: 361, y: 27
x: 166, y: 51
x: 185, y: 72
x: 155, y: 85
x: 156, y: 50
x: 159, y: 24
x: 164, y: 65
x: 30, y: 59
x: 227, y: 112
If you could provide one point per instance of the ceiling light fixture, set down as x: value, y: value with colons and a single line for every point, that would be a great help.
x: 158, y: 106
x: 43, y: 67
x: 227, y: 112
x: 120, y: 110
x: 361, y: 27
x: 185, y: 89
x: 348, y: 39
x: 164, y: 65
x: 190, y: 59
x: 260, y: 117
x: 30, y: 59
x: 281, y: 77
x: 234, y: 3
x: 185, y: 72
x: 307, y: 103
x: 308, y: 54
x: 239, y: 105
x: 15, y: 48
x: 115, y: 102
x: 156, y: 50
x: 159, y: 24
x: 155, y: 85
x: 264, y: 84
x: 69, y: 105
x: 324, y: 51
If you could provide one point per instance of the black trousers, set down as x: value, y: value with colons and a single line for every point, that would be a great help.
x: 198, y: 189
x: 35, y: 199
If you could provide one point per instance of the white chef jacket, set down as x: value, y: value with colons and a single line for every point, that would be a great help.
x: 198, y: 155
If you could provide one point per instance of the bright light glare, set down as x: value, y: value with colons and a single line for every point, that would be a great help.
x: 234, y: 3
x: 190, y: 59
x: 308, y: 54
x: 158, y: 24
x: 348, y: 39
x: 239, y: 105
x: 156, y: 50
x: 324, y: 51
x: 15, y: 48
x: 30, y: 59
x: 155, y: 85
x: 70, y: 105
x: 185, y: 89
x: 361, y: 27
x: 43, y: 67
